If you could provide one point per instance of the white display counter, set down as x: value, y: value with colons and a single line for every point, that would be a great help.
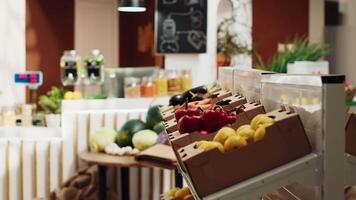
x: 30, y: 165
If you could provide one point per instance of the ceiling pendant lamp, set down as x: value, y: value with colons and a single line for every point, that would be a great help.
x: 132, y: 6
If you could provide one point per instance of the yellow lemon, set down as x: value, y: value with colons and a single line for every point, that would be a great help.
x: 223, y: 134
x: 235, y: 142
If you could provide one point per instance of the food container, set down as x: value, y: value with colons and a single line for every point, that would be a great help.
x: 178, y: 140
x: 168, y: 115
x: 213, y: 171
x: 8, y: 116
x: 161, y: 84
x: 218, y: 95
x: 173, y: 82
x: 186, y: 80
x: 171, y: 125
x: 351, y: 135
x: 148, y: 88
x: 94, y: 65
x: 165, y: 196
x: 230, y: 103
x: 132, y: 87
x: 70, y: 67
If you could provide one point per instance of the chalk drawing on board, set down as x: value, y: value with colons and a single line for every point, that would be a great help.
x: 169, y: 38
x: 196, y: 19
x: 180, y: 30
x: 194, y: 2
x: 169, y: 2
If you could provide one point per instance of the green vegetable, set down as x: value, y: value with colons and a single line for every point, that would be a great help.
x: 153, y: 116
x: 127, y: 131
x: 159, y: 127
x: 101, y: 138
x: 51, y: 102
x: 144, y: 139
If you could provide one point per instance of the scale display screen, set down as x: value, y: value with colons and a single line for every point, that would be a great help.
x: 29, y: 78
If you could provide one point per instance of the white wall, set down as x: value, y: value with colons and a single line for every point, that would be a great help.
x: 96, y: 27
x: 203, y: 66
x: 12, y: 50
x: 316, y: 20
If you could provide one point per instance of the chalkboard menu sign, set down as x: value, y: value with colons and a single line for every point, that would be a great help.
x: 181, y: 26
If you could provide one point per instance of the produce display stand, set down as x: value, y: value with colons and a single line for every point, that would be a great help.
x: 124, y: 163
x: 321, y: 171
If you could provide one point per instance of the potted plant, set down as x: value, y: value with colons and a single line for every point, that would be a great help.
x: 302, y: 54
x: 51, y: 106
x: 228, y: 43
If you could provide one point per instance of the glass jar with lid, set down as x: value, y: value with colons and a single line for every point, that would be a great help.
x: 94, y: 65
x: 132, y: 87
x: 8, y: 116
x: 161, y: 84
x: 27, y: 111
x: 148, y: 88
x: 173, y: 82
x: 70, y: 67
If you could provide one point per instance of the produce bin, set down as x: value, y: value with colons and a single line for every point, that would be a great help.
x: 212, y: 171
x: 351, y: 135
x: 171, y: 125
x: 231, y: 102
x: 178, y: 140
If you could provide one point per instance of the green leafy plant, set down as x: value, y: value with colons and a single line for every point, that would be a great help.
x: 228, y: 41
x: 51, y: 102
x: 301, y: 50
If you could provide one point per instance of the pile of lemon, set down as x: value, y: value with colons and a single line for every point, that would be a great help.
x: 72, y: 95
x: 181, y: 194
x: 228, y: 139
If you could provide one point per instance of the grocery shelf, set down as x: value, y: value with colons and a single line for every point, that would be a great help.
x: 303, y: 170
x: 351, y: 169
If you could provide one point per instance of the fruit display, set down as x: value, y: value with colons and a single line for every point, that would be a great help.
x: 178, y: 194
x: 134, y: 136
x: 153, y: 116
x: 242, y: 116
x: 239, y: 153
x: 194, y: 94
x: 228, y: 139
x: 114, y: 149
x: 72, y: 95
x: 101, y: 138
x: 127, y: 131
x: 351, y: 135
x: 144, y: 139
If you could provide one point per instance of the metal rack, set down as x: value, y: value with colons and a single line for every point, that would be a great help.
x: 322, y: 170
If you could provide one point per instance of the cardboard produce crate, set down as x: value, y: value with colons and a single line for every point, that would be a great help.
x: 212, y: 171
x: 178, y: 140
x: 171, y: 125
x: 351, y: 135
x: 232, y: 102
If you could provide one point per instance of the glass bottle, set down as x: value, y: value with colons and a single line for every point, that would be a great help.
x: 70, y: 67
x: 94, y: 65
x: 27, y: 110
x: 8, y: 116
x: 173, y: 82
x: 186, y: 80
x: 148, y: 88
x: 132, y: 87
x: 161, y: 84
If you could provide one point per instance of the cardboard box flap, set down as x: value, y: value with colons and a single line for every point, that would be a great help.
x: 158, y: 153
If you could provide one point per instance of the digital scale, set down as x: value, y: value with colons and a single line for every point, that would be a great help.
x: 31, y: 79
